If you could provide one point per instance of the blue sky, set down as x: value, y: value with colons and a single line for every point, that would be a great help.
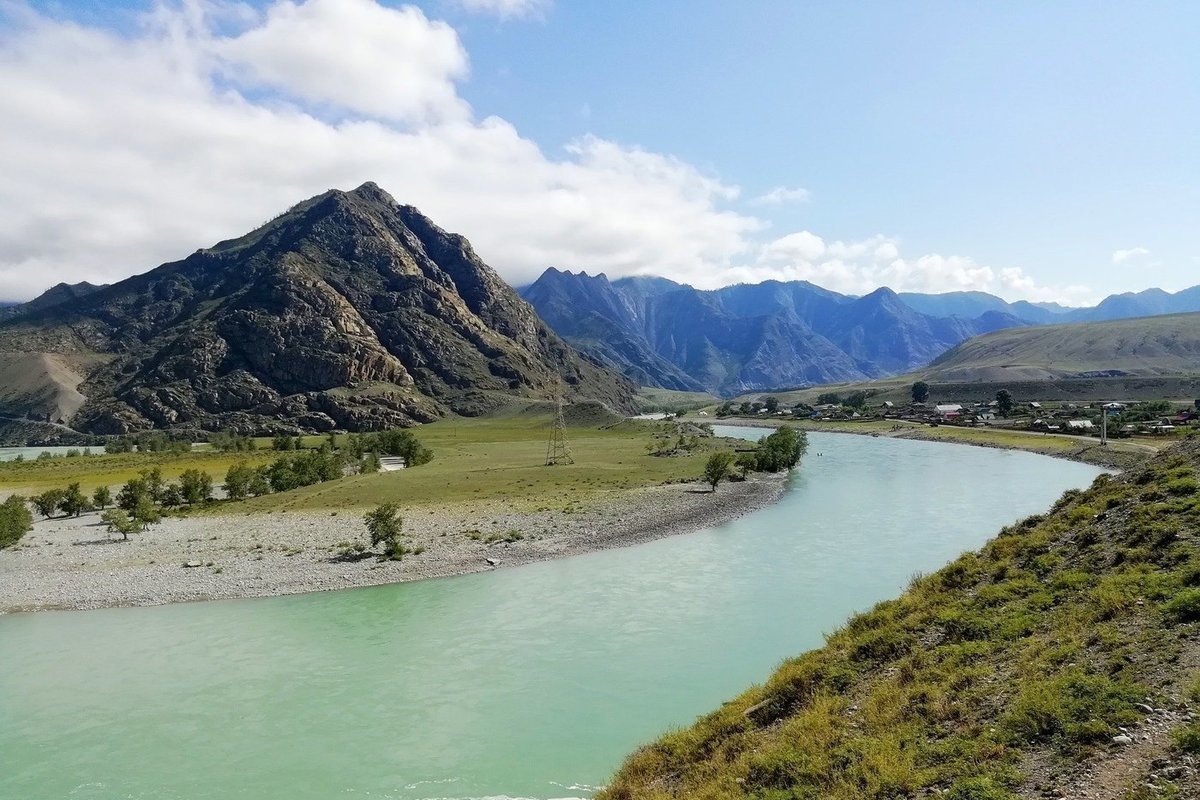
x: 1030, y: 149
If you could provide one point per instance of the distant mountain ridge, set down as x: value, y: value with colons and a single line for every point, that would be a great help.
x: 348, y: 311
x: 744, y: 337
x: 774, y: 334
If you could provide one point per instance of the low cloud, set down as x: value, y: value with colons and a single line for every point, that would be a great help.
x: 781, y: 195
x: 1132, y: 254
x: 859, y: 267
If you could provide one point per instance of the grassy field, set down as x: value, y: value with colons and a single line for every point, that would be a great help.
x: 503, y: 460
x: 111, y: 470
x: 494, y: 459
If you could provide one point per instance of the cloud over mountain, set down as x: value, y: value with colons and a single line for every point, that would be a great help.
x: 122, y: 148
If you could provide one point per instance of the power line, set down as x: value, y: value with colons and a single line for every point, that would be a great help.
x: 557, y: 451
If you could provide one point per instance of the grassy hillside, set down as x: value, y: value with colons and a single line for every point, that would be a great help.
x: 1168, y: 345
x: 1006, y: 674
x: 1129, y: 359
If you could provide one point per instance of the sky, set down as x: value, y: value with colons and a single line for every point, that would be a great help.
x: 1040, y: 151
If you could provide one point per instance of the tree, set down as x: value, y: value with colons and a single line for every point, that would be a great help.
x: 15, y: 520
x: 237, y: 481
x: 145, y: 513
x: 856, y: 400
x: 781, y: 450
x: 385, y: 526
x: 172, y: 496
x: 73, y: 502
x: 283, y: 442
x: 370, y: 463
x: 260, y: 483
x: 102, y: 497
x: 1004, y: 402
x: 745, y: 408
x: 772, y: 404
x: 829, y: 399
x: 153, y: 481
x: 133, y: 490
x: 746, y: 463
x: 119, y: 521
x: 47, y: 502
x: 920, y: 392
x: 196, y: 486
x: 716, y: 469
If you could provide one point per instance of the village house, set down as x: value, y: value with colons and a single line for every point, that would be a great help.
x: 948, y: 410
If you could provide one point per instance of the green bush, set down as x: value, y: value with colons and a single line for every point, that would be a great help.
x: 15, y: 520
x: 1184, y: 607
x: 1187, y: 739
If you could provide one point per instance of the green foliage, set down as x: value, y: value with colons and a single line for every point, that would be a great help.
x: 369, y: 464
x: 978, y: 789
x: 196, y: 486
x: 920, y: 392
x: 1004, y: 402
x: 385, y: 526
x: 15, y: 520
x: 716, y: 469
x: 119, y: 521
x: 172, y: 496
x: 48, y: 501
x: 284, y: 443
x: 237, y: 481
x: 856, y: 400
x: 145, y: 513
x: 1187, y: 738
x: 131, y: 493
x: 780, y: 450
x: 152, y: 480
x: 232, y: 443
x: 1184, y: 607
x: 829, y: 399
x: 771, y: 403
x: 102, y: 497
x: 73, y: 501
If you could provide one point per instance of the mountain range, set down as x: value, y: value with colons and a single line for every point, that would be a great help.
x: 775, y: 334
x: 348, y: 311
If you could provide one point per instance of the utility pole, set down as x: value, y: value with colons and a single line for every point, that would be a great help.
x: 556, y: 449
x: 1103, y: 425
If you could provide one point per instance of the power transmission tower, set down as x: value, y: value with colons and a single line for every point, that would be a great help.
x: 556, y: 449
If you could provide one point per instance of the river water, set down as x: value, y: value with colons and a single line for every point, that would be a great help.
x: 530, y: 682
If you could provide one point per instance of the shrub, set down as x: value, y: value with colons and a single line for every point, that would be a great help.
x: 1184, y: 607
x: 385, y: 526
x: 1187, y: 738
x: 15, y: 520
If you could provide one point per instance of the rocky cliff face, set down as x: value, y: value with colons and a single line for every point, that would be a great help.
x: 746, y: 337
x: 348, y: 311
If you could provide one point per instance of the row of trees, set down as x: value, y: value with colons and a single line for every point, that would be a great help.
x: 781, y: 450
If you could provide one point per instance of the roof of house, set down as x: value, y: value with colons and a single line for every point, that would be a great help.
x: 948, y: 408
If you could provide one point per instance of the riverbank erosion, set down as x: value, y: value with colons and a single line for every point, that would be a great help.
x: 1062, y: 660
x: 74, y: 563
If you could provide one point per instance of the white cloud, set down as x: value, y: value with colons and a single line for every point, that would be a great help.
x: 1133, y: 253
x: 508, y: 9
x: 122, y: 152
x: 859, y: 267
x: 391, y: 63
x: 119, y: 153
x: 782, y: 194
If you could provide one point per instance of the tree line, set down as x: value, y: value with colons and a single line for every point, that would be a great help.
x: 781, y: 450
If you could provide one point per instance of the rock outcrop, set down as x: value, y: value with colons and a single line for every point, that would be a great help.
x: 349, y: 311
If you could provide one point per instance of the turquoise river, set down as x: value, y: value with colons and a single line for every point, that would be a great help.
x: 532, y: 682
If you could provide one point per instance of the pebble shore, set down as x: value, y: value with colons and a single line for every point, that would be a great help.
x: 76, y: 564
